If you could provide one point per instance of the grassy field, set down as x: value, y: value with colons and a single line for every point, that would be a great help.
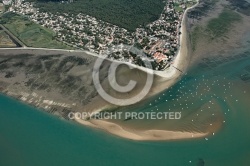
x: 177, y: 7
x: 30, y: 33
x: 5, y: 40
x: 129, y: 14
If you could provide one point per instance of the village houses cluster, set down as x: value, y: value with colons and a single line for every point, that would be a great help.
x: 159, y: 40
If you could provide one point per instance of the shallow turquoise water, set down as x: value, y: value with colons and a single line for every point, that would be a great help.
x: 33, y: 138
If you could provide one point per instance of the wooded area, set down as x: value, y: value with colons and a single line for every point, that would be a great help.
x: 129, y: 14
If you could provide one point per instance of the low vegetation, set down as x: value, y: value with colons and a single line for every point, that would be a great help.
x: 216, y: 28
x: 30, y: 33
x: 242, y: 6
x: 195, y: 35
x: 5, y: 40
x: 219, y: 26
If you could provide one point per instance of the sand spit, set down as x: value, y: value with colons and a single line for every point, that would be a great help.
x: 146, y: 135
x: 164, y: 80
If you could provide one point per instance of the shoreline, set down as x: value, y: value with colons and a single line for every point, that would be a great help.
x: 171, y: 74
x: 145, y: 135
x: 167, y: 73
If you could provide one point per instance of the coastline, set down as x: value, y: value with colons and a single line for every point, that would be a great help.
x: 146, y: 135
x: 167, y: 74
x: 179, y: 61
x: 165, y: 79
x: 173, y: 73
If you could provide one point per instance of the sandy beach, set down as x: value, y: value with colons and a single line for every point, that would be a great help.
x: 166, y: 79
x: 146, y: 135
x: 162, y: 81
